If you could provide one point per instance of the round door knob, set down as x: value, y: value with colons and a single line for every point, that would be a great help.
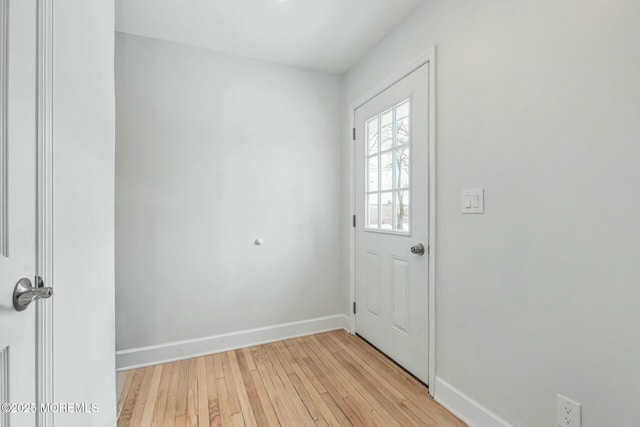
x: 418, y: 249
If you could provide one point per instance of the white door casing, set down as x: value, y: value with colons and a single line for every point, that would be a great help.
x: 18, y: 143
x: 392, y: 210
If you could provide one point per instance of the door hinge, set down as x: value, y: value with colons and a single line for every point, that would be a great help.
x: 354, y: 307
x: 354, y: 221
x: 428, y: 249
x: 354, y: 134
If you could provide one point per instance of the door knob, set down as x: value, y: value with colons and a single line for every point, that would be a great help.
x: 418, y: 249
x: 24, y: 293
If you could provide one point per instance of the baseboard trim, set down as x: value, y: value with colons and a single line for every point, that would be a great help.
x: 465, y: 408
x: 170, y: 352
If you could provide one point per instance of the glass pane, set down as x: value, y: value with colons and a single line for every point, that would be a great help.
x: 402, y: 110
x: 386, y: 122
x: 386, y: 200
x: 402, y: 211
x: 402, y: 165
x: 386, y: 168
x: 403, y: 131
x: 402, y: 123
x: 372, y: 136
x: 372, y: 211
x: 372, y: 167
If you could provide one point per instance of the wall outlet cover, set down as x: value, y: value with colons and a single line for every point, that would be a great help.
x: 567, y: 412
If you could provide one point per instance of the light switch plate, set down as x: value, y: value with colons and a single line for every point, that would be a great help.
x: 473, y: 201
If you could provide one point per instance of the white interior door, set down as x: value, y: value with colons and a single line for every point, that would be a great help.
x: 392, y: 217
x: 17, y: 208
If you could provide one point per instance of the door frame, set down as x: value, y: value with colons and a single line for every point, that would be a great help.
x: 44, y: 180
x: 427, y: 57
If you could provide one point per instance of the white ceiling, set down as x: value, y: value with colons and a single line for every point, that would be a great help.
x: 324, y: 35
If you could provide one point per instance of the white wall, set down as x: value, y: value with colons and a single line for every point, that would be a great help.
x: 537, y: 102
x: 84, y: 152
x: 214, y: 151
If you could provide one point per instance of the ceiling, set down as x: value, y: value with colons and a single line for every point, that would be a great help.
x: 324, y: 35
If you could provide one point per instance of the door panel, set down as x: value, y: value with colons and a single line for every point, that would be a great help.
x: 373, y: 283
x: 400, y: 284
x: 392, y: 201
x: 18, y: 206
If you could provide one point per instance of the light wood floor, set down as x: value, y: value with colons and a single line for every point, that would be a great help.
x: 330, y: 379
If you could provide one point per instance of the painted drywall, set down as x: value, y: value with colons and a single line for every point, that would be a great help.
x: 213, y: 152
x: 83, y: 216
x: 537, y: 103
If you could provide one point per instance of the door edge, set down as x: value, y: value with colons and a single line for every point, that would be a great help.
x: 44, y: 258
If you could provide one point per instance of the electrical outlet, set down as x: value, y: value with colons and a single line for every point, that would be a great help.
x: 567, y: 412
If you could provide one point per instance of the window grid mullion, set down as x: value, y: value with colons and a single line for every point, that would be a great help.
x: 389, y: 191
x: 394, y: 159
x: 379, y: 172
x: 381, y: 152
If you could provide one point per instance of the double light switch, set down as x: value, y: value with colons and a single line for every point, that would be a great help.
x: 473, y: 201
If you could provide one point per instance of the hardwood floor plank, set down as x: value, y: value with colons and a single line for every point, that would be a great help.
x: 251, y: 366
x: 172, y: 400
x: 327, y: 413
x: 380, y: 389
x: 217, y: 365
x: 170, y: 413
x: 163, y: 395
x: 318, y: 368
x: 300, y: 355
x: 261, y: 391
x: 128, y: 379
x: 225, y: 410
x: 328, y: 379
x: 237, y: 420
x: 360, y: 412
x: 306, y: 390
x: 395, y: 387
x: 380, y: 415
x: 284, y: 356
x: 303, y: 418
x: 245, y: 403
x: 203, y: 393
x: 182, y: 395
x: 229, y: 379
x: 138, y: 410
x: 382, y: 361
x: 381, y: 395
x: 131, y: 398
x: 212, y: 393
x: 352, y: 414
x: 417, y: 397
x: 152, y: 396
x: 284, y: 399
x: 180, y: 420
x: 192, y: 393
x: 308, y: 402
x: 273, y: 386
x: 420, y: 412
x: 335, y: 388
x: 252, y: 393
x: 338, y: 413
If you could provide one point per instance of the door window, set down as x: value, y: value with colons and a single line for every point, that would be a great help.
x: 387, y: 169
